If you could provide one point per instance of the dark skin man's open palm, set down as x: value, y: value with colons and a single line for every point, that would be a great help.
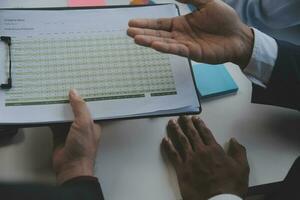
x: 212, y: 34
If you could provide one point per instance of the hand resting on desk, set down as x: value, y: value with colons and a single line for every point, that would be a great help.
x: 203, y: 168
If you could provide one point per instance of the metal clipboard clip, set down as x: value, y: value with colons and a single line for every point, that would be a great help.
x: 8, y: 85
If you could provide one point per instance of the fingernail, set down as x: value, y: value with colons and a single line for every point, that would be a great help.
x: 234, y: 140
x: 74, y: 93
x: 173, y: 121
x: 198, y: 118
x: 168, y: 140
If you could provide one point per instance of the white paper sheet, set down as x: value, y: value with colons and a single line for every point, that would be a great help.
x: 53, y: 51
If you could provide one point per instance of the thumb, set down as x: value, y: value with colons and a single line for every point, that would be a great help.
x: 82, y: 114
x: 197, y: 3
x: 237, y: 152
x: 79, y: 107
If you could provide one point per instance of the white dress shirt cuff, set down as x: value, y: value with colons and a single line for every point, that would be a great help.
x: 264, y: 56
x: 225, y: 197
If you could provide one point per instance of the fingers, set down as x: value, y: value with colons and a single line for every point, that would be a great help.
x: 191, y: 132
x: 83, y: 118
x: 156, y: 24
x: 197, y: 3
x: 132, y: 32
x: 171, y: 48
x: 170, y: 151
x: 169, y: 45
x: 189, y: 135
x: 149, y: 40
x: 162, y: 44
x: 179, y: 139
x: 237, y: 152
x: 203, y: 131
x: 79, y: 107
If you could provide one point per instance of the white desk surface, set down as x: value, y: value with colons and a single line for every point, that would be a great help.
x: 129, y: 164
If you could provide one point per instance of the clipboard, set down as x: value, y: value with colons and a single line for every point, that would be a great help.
x: 182, y: 111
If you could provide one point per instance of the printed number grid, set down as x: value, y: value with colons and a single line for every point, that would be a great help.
x: 99, y: 67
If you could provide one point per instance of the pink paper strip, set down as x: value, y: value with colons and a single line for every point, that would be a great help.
x: 76, y: 3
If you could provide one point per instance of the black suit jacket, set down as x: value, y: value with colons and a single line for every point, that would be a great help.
x: 289, y: 188
x: 80, y: 188
x: 284, y: 86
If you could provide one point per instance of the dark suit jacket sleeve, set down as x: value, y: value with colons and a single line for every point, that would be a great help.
x: 85, y: 187
x: 284, y: 86
x: 80, y: 188
x: 289, y: 188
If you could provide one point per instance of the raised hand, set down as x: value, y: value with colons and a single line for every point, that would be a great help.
x: 213, y: 34
x: 76, y: 155
x: 203, y: 168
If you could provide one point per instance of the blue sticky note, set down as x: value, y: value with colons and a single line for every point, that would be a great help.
x: 213, y: 80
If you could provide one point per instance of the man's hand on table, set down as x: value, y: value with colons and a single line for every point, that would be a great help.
x: 203, y: 168
x: 214, y: 34
x: 74, y: 155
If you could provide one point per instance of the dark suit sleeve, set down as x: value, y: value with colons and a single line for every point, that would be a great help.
x: 284, y: 86
x: 87, y: 188
x: 289, y: 188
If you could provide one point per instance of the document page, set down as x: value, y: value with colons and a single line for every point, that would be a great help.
x: 109, y: 67
x: 88, y: 49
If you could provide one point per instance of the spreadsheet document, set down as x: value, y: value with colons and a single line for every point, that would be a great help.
x: 54, y: 51
x: 99, y: 67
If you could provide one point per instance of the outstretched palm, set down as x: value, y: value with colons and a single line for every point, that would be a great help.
x: 212, y: 34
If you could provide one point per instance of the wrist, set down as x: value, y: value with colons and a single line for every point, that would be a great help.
x: 245, y: 49
x: 74, y: 169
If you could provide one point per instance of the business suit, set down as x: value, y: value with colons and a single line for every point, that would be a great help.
x: 283, y: 88
x: 289, y: 188
x: 80, y: 188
